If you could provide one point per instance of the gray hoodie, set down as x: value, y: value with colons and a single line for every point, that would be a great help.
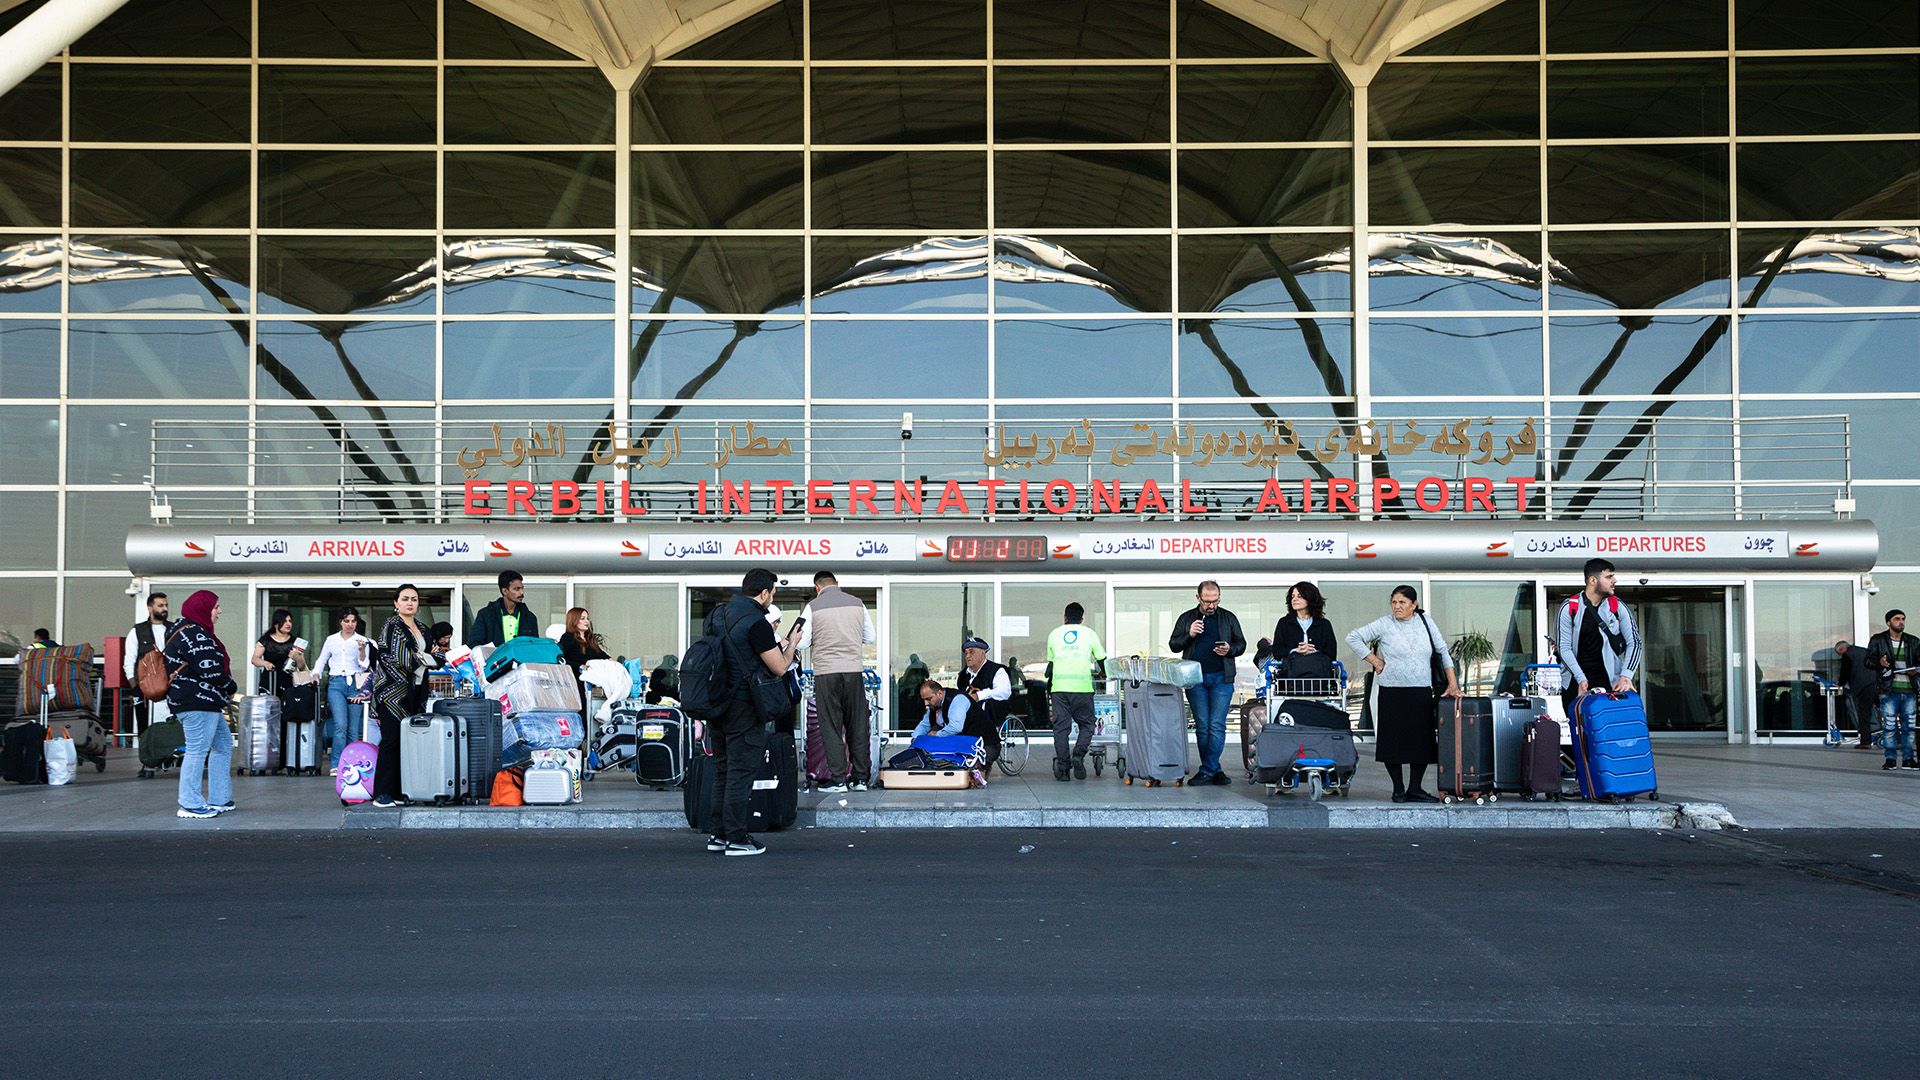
x: 1616, y: 619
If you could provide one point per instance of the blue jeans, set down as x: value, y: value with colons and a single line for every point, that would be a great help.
x: 209, y: 747
x: 1896, y: 725
x: 1210, y: 702
x: 340, y: 716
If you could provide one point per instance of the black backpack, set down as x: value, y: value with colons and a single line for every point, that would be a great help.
x: 706, y: 675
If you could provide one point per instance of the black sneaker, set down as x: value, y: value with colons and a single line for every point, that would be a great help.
x: 1221, y: 779
x: 1079, y: 768
x: 716, y: 843
x: 1060, y: 770
x: 384, y: 802
x: 1889, y: 765
x: 749, y: 846
x: 1417, y: 795
x: 1910, y: 763
x: 1200, y: 778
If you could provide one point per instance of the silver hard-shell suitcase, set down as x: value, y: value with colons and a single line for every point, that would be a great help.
x: 259, y: 734
x: 433, y: 758
x: 1155, y: 719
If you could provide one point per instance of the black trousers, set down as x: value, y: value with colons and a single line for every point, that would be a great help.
x: 386, y: 769
x: 739, y: 749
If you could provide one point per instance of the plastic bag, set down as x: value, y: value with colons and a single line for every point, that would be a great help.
x: 63, y: 759
x: 527, y: 732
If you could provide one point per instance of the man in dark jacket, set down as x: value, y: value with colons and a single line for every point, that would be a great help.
x: 506, y: 618
x: 1859, y: 678
x: 1895, y: 655
x: 740, y: 737
x: 1211, y: 635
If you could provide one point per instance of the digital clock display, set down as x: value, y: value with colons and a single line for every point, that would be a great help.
x: 996, y: 549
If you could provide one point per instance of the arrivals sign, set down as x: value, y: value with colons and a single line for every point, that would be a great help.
x: 346, y: 547
x: 735, y: 546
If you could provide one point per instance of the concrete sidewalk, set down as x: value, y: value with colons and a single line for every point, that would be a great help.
x: 1701, y: 784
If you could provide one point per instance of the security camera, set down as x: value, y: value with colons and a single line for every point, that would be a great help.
x: 356, y: 584
x: 1643, y: 581
x: 133, y: 588
x: 906, y: 426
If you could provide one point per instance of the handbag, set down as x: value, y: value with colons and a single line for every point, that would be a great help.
x: 1436, y: 668
x: 775, y: 696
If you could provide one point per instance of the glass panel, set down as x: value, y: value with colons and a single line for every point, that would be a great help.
x: 717, y: 190
x: 1080, y: 104
x: 718, y: 105
x: 1855, y: 352
x: 1896, y: 510
x: 327, y: 189
x: 474, y: 33
x: 683, y: 360
x: 1143, y: 621
x: 1429, y: 272
x: 1062, y: 359
x: 1075, y: 188
x: 1847, y: 268
x: 1055, y: 29
x: 177, y: 358
x: 1664, y: 268
x: 1453, y: 185
x: 1445, y: 356
x: 702, y: 432
x: 26, y: 604
x: 925, y: 625
x: 346, y: 275
x: 1829, y: 95
x: 1082, y: 273
x: 530, y: 276
x: 372, y: 361
x: 1809, y: 443
x: 528, y: 105
x: 1812, y: 181
x: 1607, y: 184
x: 1043, y: 605
x: 898, y: 29
x: 1264, y: 272
x: 30, y: 274
x: 159, y: 273
x: 1113, y: 425
x: 173, y: 28
x: 1574, y: 26
x: 1632, y: 458
x: 905, y: 360
x: 1795, y: 624
x: 1264, y: 187
x: 1489, y: 628
x: 1683, y: 676
x: 1636, y: 99
x: 897, y: 105
x: 509, y: 360
x: 1206, y: 31
x: 30, y: 112
x: 346, y: 104
x: 373, y: 448
x: 1789, y: 24
x: 1261, y: 358
x: 773, y: 34
x: 862, y: 442
x: 29, y: 359
x: 900, y: 190
x: 1505, y: 29
x: 1634, y: 355
x: 1452, y: 101
x: 97, y: 609
x: 1263, y: 103
x: 97, y: 524
x: 721, y: 273
x: 30, y: 445
x: 637, y: 621
x: 558, y: 190
x: 349, y: 29
x: 197, y: 188
x: 898, y: 274
x: 30, y: 187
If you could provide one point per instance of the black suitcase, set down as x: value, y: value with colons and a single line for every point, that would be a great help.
x: 776, y: 786
x: 1305, y: 712
x: 699, y: 791
x: 1466, y: 748
x: 23, y: 753
x: 480, y: 721
x: 1540, y: 760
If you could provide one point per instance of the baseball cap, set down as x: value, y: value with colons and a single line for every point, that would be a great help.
x: 973, y: 643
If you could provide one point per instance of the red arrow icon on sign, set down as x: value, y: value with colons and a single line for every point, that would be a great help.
x: 499, y: 549
x: 1365, y: 551
x: 195, y: 551
x: 1808, y: 549
x: 930, y: 549
x: 1497, y: 550
x: 1063, y: 551
x: 629, y: 549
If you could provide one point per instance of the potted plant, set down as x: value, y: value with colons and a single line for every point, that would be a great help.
x: 1471, y: 651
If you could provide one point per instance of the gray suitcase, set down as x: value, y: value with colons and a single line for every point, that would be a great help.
x: 259, y: 734
x: 433, y: 758
x: 1511, y: 715
x: 1155, y: 719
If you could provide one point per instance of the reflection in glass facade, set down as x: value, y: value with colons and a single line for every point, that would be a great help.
x: 1126, y: 210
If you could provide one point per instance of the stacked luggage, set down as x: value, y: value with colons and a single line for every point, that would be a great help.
x: 1305, y: 738
x: 775, y: 801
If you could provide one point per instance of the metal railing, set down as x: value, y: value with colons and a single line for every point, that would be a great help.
x: 1586, y: 466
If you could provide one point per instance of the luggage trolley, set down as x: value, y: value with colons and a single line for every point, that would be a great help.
x: 876, y: 725
x: 1319, y: 775
x: 1831, y: 691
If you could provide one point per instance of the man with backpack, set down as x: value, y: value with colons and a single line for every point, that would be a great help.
x: 1598, y: 639
x: 717, y: 686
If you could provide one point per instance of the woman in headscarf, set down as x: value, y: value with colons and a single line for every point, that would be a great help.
x: 399, y: 687
x: 201, y: 683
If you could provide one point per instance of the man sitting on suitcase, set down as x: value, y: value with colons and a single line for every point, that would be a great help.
x: 1599, y: 640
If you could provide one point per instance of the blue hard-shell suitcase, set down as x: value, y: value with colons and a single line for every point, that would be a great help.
x: 1612, y: 752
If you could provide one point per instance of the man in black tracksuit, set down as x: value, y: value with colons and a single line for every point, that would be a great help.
x: 740, y: 737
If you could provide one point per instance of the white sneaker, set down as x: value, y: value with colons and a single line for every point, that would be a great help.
x: 749, y: 847
x: 859, y: 785
x: 831, y: 789
x: 716, y: 843
x: 198, y: 814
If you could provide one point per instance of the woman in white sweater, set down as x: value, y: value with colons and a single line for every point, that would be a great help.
x: 1398, y: 647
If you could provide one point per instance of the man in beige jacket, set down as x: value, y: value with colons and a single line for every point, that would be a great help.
x: 836, y: 630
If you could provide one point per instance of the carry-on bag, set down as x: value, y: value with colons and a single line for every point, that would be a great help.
x: 23, y: 753
x: 480, y: 725
x: 1466, y: 748
x: 1281, y: 747
x: 926, y: 779
x: 612, y: 745
x: 432, y: 756
x: 353, y: 780
x: 552, y: 778
x: 259, y: 734
x: 662, y: 744
x: 817, y: 770
x: 300, y: 747
x: 1306, y: 712
x: 90, y: 737
x: 1540, y: 760
x: 162, y: 744
x: 535, y: 686
x: 699, y: 789
x: 1253, y: 717
x: 521, y: 650
x: 1511, y: 717
x: 1155, y: 719
x: 776, y: 785
x: 1612, y: 751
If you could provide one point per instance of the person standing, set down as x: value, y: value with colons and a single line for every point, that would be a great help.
x: 506, y: 618
x: 344, y: 662
x: 276, y: 656
x: 1211, y: 635
x: 201, y: 682
x: 149, y: 635
x: 578, y: 645
x: 988, y: 689
x: 739, y: 736
x: 1398, y: 646
x: 1304, y: 629
x: 1896, y: 655
x: 1072, y: 651
x: 835, y: 629
x: 1598, y: 639
x: 399, y: 687
x: 1859, y: 680
x: 43, y: 639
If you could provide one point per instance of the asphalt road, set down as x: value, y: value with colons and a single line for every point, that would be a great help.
x: 962, y: 953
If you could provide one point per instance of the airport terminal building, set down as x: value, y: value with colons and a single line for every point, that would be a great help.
x: 987, y: 305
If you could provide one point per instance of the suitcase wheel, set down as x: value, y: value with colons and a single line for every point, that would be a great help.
x: 1180, y: 783
x: 1653, y: 796
x: 1129, y: 781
